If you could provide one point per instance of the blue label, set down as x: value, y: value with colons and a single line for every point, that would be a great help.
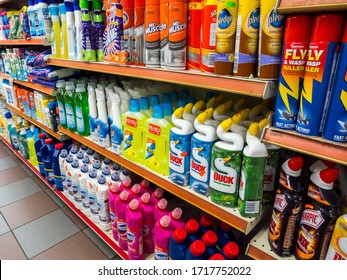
x: 254, y: 19
x: 224, y: 19
x: 103, y: 134
x: 70, y: 117
x: 275, y: 19
x: 116, y: 138
x: 79, y: 119
x: 62, y: 116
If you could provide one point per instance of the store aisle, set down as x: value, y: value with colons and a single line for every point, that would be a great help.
x: 36, y: 224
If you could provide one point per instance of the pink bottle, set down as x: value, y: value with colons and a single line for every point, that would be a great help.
x: 120, y: 207
x: 157, y: 195
x: 125, y: 184
x: 160, y: 209
x: 162, y: 234
x: 148, y: 223
x: 134, y: 230
x: 135, y: 192
x: 113, y: 193
x: 176, y: 218
x: 145, y: 187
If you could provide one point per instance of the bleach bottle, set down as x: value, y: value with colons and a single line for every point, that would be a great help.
x: 120, y: 208
x: 47, y: 151
x: 160, y: 209
x: 93, y: 113
x: 226, y: 163
x: 157, y: 195
x: 102, y: 124
x: 252, y: 174
x: 145, y: 186
x: 180, y: 138
x: 56, y: 166
x: 162, y: 235
x: 178, y: 244
x: 84, y: 188
x: 75, y: 190
x: 205, y: 223
x: 38, y: 144
x: 201, y: 150
x: 67, y: 167
x: 192, y: 229
x: 210, y: 240
x: 93, y: 205
x: 103, y: 203
x: 135, y: 192
x: 107, y: 173
x: 156, y: 140
x: 116, y: 126
x: 176, y: 218
x: 134, y: 219
x: 147, y: 223
x: 224, y: 234
x: 125, y: 184
x: 113, y: 193
x: 62, y: 157
x: 230, y: 251
x: 196, y: 251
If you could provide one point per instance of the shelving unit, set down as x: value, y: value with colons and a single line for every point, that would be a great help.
x: 56, y: 135
x: 247, y: 87
x: 228, y: 215
x: 32, y: 42
x: 304, y: 6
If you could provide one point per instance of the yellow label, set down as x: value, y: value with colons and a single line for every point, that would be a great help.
x: 272, y: 23
x: 249, y: 10
x: 226, y: 19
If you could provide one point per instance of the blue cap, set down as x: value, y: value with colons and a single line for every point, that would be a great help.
x: 80, y: 155
x: 115, y: 176
x: 54, y: 10
x: 75, y: 163
x: 51, y: 105
x: 154, y: 100
x: 102, y: 179
x: 8, y: 115
x: 96, y: 156
x: 64, y: 153
x: 209, y: 95
x: 84, y: 168
x: 62, y: 8
x: 116, y: 166
x: 134, y: 105
x: 107, y: 161
x: 92, y: 173
x: 125, y: 171
x: 174, y: 96
x: 90, y: 151
x: 83, y: 147
x: 97, y: 164
x: 158, y: 112
x: 168, y: 111
x: 185, y: 93
x: 68, y: 5
x: 106, y: 170
x: 166, y: 97
x: 86, y: 159
x: 144, y: 103
x: 74, y: 149
x: 69, y: 158
x: 76, y: 5
x: 181, y: 103
x: 29, y: 134
x: 191, y: 99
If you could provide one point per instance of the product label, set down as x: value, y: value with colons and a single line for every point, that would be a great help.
x: 193, y: 34
x: 70, y: 117
x: 93, y: 204
x: 152, y: 37
x: 122, y: 229
x: 154, y: 129
x: 135, y: 241
x: 79, y: 119
x: 113, y: 34
x: 128, y: 139
x: 161, y: 253
x: 62, y: 116
x: 104, y: 211
x: 150, y: 148
x: 76, y: 191
x: 131, y: 122
x: 84, y: 198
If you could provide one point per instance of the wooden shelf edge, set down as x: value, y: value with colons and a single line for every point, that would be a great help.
x: 249, y: 87
x: 103, y: 235
x: 4, y: 76
x: 228, y: 215
x: 313, y: 146
x: 34, y: 86
x: 311, y: 8
x: 56, y: 135
x: 20, y: 42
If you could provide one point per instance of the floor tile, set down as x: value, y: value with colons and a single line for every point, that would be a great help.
x: 55, y: 198
x: 76, y: 247
x: 40, y: 183
x: 11, y: 175
x: 27, y: 170
x: 7, y: 162
x: 30, y: 208
x: 77, y: 220
x: 3, y: 152
x: 100, y: 243
x: 10, y: 249
x: 3, y: 225
x: 17, y: 190
x: 45, y: 232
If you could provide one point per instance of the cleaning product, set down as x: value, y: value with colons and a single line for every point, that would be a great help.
x: 64, y: 52
x: 41, y: 13
x: 180, y: 138
x: 120, y: 209
x: 216, y: 257
x: 82, y: 111
x: 93, y: 205
x: 226, y: 164
x: 152, y: 33
x: 168, y: 111
x: 88, y: 40
x: 70, y: 107
x: 97, y: 167
x: 67, y: 166
x: 83, y: 181
x: 62, y: 157
x: 75, y: 190
x: 31, y: 147
x: 23, y: 143
x: 156, y: 138
x: 157, y: 195
x: 193, y: 34
x: 56, y: 166
x: 210, y: 240
x: 336, y: 116
x: 139, y: 32
x: 70, y: 25
x: 99, y: 28
x: 31, y: 17
x: 102, y: 124
x: 224, y: 234
x: 160, y: 209
x: 47, y: 151
x: 134, y: 127
x: 337, y: 248
x: 125, y: 184
x: 56, y: 32
x: 135, y: 192
x: 164, y: 33
x: 192, y: 229
x: 225, y: 36
x: 145, y: 187
x: 128, y: 31
x: 252, y: 174
x: 162, y: 234
x: 78, y: 29
x: 295, y: 48
x: 196, y: 251
x: 178, y: 244
x: 230, y: 251
x: 144, y: 107
x: 124, y: 174
x: 287, y: 208
x: 201, y: 147
x: 103, y: 203
x: 319, y: 72
x: 318, y: 217
x: 60, y: 85
x: 134, y: 219
x: 93, y: 113
x: 205, y: 223
x: 116, y: 128
x: 176, y: 218
x: 113, y: 193
x: 147, y: 208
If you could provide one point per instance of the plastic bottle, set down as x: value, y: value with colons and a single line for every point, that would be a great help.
x: 103, y: 203
x: 226, y: 164
x: 152, y: 33
x: 74, y: 151
x: 205, y: 223
x: 156, y: 138
x: 193, y: 39
x: 60, y: 93
x: 93, y: 113
x: 41, y: 13
x: 82, y: 111
x: 70, y: 27
x: 192, y: 229
x: 318, y: 217
x: 70, y: 107
x: 216, y: 257
x: 88, y: 42
x: 93, y: 205
x: 287, y: 208
x: 128, y: 31
x: 31, y: 147
x: 162, y: 234
x: 121, y: 206
x: 23, y: 143
x: 139, y: 32
x: 64, y: 52
x: 31, y: 17
x: 337, y: 248
x: 148, y: 222
x: 144, y: 107
x: 125, y: 184
x: 145, y: 186
x: 124, y: 174
x: 103, y: 128
x: 62, y: 157
x: 83, y: 180
x: 201, y: 148
x: 67, y: 166
x: 168, y: 111
x: 230, y: 251
x: 224, y: 234
x: 113, y: 193
x: 47, y: 151
x: 56, y: 32
x: 196, y: 251
x: 210, y: 240
x: 56, y: 166
x: 157, y: 195
x: 75, y: 190
x: 135, y: 192
x: 176, y: 218
x: 134, y: 220
x: 99, y: 28
x: 252, y: 174
x: 160, y: 209
x: 178, y: 244
x: 225, y: 36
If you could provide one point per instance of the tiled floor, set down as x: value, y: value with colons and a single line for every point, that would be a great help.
x: 36, y: 224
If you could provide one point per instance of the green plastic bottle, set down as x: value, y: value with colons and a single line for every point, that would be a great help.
x: 70, y: 106
x: 23, y: 144
x: 82, y: 110
x: 61, y: 102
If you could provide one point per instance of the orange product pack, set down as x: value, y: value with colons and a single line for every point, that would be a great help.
x: 208, y: 35
x: 193, y: 34
x: 164, y: 33
x: 152, y: 31
x: 178, y: 22
x: 139, y: 32
x: 128, y: 31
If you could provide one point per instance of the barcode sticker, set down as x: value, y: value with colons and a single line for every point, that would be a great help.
x: 252, y: 207
x: 210, y: 59
x: 213, y: 27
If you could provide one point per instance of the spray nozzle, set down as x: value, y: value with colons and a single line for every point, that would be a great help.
x: 188, y: 108
x: 226, y: 124
x: 179, y: 112
x: 207, y: 114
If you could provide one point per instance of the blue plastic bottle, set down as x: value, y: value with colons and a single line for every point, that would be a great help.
x: 205, y: 223
x: 56, y: 166
x: 224, y: 234
x: 178, y: 245
x: 196, y: 251
x: 210, y: 241
x: 192, y: 229
x: 38, y: 144
x: 47, y: 151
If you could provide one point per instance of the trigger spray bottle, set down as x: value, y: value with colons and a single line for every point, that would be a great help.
x: 102, y: 126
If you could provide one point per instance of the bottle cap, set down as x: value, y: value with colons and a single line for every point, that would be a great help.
x: 146, y: 198
x: 115, y: 187
x: 217, y: 256
x: 158, y: 193
x: 181, y: 103
x: 145, y: 184
x: 124, y: 195
x: 80, y: 155
x: 135, y: 189
x: 126, y: 182
x: 206, y: 220
x: 97, y: 164
x: 90, y: 151
x: 197, y: 248
x: 107, y: 161
x: 344, y: 37
x: 231, y: 250
x: 86, y: 159
x: 84, y: 168
x: 64, y: 153
x: 323, y: 24
x: 165, y: 221
x: 75, y: 163
x: 60, y: 84
x: 144, y: 103
x: 174, y: 96
x: 298, y: 28
x: 125, y: 171
x: 92, y: 173
x: 158, y: 112
x: 48, y: 141
x: 115, y: 166
x: 106, y: 171
x: 162, y: 204
x: 168, y: 111
x: 328, y: 176
x: 154, y: 100
x: 209, y: 238
x: 179, y: 235
x: 115, y: 176
x: 42, y: 136
x: 295, y: 164
x: 134, y: 105
x: 74, y: 149
x: 83, y: 147
x: 225, y: 227
x: 58, y: 146
x: 52, y: 105
x: 192, y: 226
x: 134, y: 204
x: 176, y: 213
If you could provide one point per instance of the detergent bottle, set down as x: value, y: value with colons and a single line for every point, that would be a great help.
x: 226, y: 163
x: 93, y: 113
x: 205, y: 223
x: 192, y: 229
x: 82, y: 110
x: 70, y: 107
x: 145, y: 186
x: 60, y: 85
x: 134, y: 220
x: 196, y: 250
x: 156, y: 140
x: 84, y: 188
x: 56, y: 32
x: 103, y: 203
x: 47, y: 151
x: 178, y: 244
x: 230, y: 251
x: 168, y: 111
x: 67, y: 165
x: 70, y: 26
x: 337, y: 248
x: 144, y: 107
x: 75, y: 192
x: 38, y: 144
x: 116, y: 128
x: 78, y: 29
x: 56, y: 166
x: 31, y: 147
x: 162, y: 234
x: 113, y: 193
x: 124, y: 174
x: 180, y: 138
x: 201, y: 150
x: 64, y: 52
x: 224, y: 234
x: 176, y: 218
x: 62, y: 157
x: 135, y: 192
x: 157, y: 195
x: 102, y: 124
x: 93, y: 205
x: 160, y: 209
x: 107, y: 173
x: 121, y: 204
x: 147, y: 223
x: 88, y: 36
x: 134, y: 129
x: 23, y: 143
x: 125, y: 184
x: 97, y: 167
x: 252, y: 174
x: 210, y: 240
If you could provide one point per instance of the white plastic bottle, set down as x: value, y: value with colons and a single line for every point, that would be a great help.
x: 75, y: 190
x: 78, y: 29
x: 102, y: 202
x: 42, y: 12
x: 31, y: 17
x: 103, y: 127
x: 62, y: 157
x: 93, y: 205
x: 93, y: 113
x: 84, y: 188
x: 70, y: 25
x: 67, y: 167
x: 116, y: 126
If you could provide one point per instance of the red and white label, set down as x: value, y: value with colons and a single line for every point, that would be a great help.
x: 312, y: 218
x: 154, y: 129
x: 131, y: 122
x: 280, y: 202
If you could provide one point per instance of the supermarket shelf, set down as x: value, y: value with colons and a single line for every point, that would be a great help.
x: 4, y: 76
x: 259, y: 248
x: 228, y: 215
x: 56, y: 135
x: 306, y: 6
x: 314, y: 146
x: 105, y: 235
x: 32, y: 42
x: 249, y: 87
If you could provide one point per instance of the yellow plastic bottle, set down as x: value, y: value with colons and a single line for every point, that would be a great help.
x: 133, y: 121
x: 157, y: 136
x: 63, y: 37
x: 54, y: 10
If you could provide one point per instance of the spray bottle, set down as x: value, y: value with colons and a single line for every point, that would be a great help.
x: 103, y: 128
x: 64, y: 52
x: 82, y: 112
x: 78, y: 29
x: 70, y: 25
x: 88, y: 42
x: 99, y: 28
x: 139, y: 32
x: 93, y: 113
x: 116, y: 126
